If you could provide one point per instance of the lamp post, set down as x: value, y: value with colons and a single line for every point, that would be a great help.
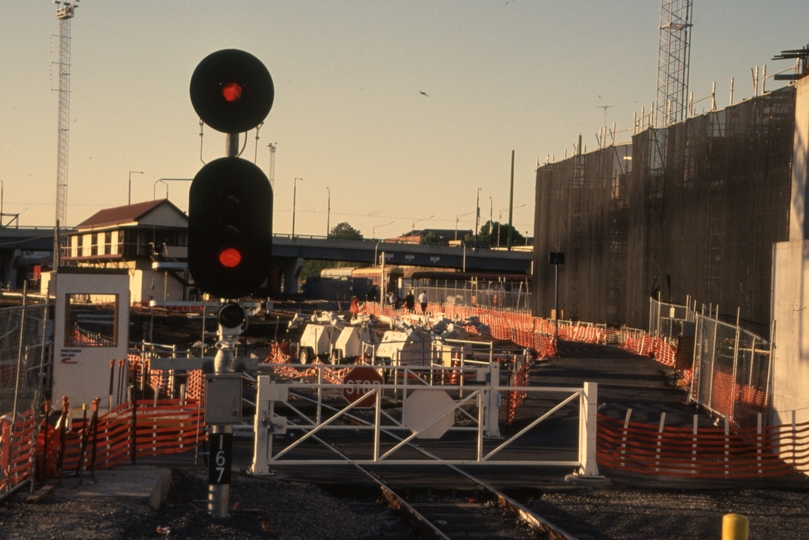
x: 328, y: 213
x: 294, y: 201
x: 373, y: 234
x: 154, y: 189
x: 129, y: 199
x: 477, y: 215
x: 457, y: 218
x: 165, y: 181
x: 491, y: 214
x: 413, y: 226
x: 501, y: 217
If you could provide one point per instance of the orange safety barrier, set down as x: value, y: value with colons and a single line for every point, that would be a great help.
x: 516, y: 397
x: 17, y: 448
x: 708, y: 453
x: 169, y: 427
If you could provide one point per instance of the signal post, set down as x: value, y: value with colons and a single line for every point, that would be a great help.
x: 229, y: 236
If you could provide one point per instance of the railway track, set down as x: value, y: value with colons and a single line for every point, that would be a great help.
x: 470, y: 510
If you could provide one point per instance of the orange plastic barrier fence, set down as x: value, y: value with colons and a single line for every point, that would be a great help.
x: 17, y: 449
x: 516, y: 397
x: 708, y: 453
x: 166, y: 428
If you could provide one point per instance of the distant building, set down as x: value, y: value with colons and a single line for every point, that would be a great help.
x: 133, y: 237
x: 434, y: 236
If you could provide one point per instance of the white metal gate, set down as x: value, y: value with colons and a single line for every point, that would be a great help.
x: 415, y: 416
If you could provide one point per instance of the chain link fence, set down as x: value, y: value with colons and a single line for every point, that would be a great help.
x: 497, y: 295
x: 731, y: 370
x: 23, y: 375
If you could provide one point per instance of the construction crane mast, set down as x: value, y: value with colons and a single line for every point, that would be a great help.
x: 65, y: 11
x: 674, y: 53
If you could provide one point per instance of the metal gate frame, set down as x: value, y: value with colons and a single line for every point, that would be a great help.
x: 487, y: 396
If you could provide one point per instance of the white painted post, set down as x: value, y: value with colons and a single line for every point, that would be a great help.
x: 481, y: 424
x: 727, y: 446
x: 587, y: 430
x: 758, y: 442
x: 694, y: 445
x: 319, y: 413
x: 659, y: 447
x: 377, y: 420
x: 492, y: 426
x: 623, y: 439
x: 260, y: 431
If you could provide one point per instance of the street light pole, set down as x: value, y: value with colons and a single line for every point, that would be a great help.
x: 328, y: 213
x: 500, y: 217
x: 129, y: 199
x: 373, y: 234
x: 294, y: 201
x: 413, y: 226
x: 457, y: 219
x: 477, y: 214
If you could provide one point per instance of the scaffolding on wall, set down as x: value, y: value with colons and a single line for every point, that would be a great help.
x: 695, y: 215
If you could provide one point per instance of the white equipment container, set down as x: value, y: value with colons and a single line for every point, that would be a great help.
x: 411, y: 347
x: 353, y: 341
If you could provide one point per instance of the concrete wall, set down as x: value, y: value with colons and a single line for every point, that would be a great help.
x: 798, y: 224
x: 790, y: 305
x: 790, y: 372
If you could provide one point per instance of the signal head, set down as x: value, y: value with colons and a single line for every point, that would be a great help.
x: 230, y: 228
x: 232, y: 91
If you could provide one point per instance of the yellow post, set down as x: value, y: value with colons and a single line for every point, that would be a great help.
x: 734, y: 527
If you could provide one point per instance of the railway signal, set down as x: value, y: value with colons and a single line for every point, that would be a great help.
x: 232, y: 91
x: 230, y: 201
x: 230, y: 228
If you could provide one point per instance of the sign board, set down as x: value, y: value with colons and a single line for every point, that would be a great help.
x: 221, y: 458
x: 362, y: 379
x: 556, y: 257
x: 432, y: 411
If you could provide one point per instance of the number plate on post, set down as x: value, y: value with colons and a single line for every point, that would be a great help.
x: 221, y: 458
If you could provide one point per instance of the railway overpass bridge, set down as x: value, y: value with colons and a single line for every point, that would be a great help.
x: 289, y: 253
x: 25, y: 247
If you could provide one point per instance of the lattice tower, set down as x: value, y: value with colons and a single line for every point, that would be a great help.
x: 64, y: 15
x: 674, y: 52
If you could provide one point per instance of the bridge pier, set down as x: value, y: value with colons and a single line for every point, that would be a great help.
x: 290, y: 268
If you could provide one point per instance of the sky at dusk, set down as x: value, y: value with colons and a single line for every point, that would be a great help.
x: 349, y: 117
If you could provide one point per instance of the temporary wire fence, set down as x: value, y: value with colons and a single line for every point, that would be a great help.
x: 727, y: 368
x: 23, y: 373
x: 497, y: 295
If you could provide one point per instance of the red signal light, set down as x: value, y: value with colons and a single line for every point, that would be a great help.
x: 231, y: 91
x: 230, y: 257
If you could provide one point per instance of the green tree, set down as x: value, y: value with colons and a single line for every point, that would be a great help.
x: 492, y: 230
x: 313, y: 267
x: 344, y: 231
x: 429, y: 238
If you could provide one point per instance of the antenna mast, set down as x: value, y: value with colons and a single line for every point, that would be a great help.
x: 674, y: 53
x: 63, y: 15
